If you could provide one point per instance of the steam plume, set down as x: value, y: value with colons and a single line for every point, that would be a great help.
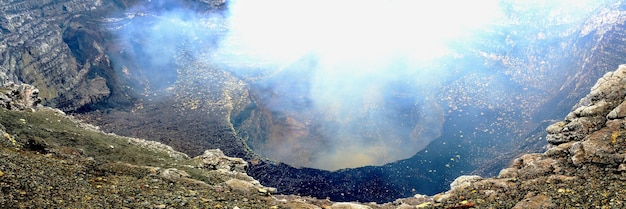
x: 362, y: 70
x: 349, y: 83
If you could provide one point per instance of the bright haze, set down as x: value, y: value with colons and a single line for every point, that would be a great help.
x: 368, y: 68
x: 345, y: 83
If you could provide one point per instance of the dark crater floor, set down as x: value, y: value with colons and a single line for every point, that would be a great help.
x: 193, y: 130
x: 182, y: 118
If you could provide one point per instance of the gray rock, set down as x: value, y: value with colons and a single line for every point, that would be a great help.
x: 535, y: 165
x: 538, y: 201
x: 618, y: 112
x: 157, y: 146
x: 215, y: 159
x: 173, y: 174
x: 61, y: 48
x: 591, y: 113
x: 241, y: 185
x: 464, y: 181
x: 578, y: 153
x: 33, y: 48
x: 19, y: 97
x: 508, y: 173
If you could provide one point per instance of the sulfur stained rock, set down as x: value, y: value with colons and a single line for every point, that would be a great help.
x: 601, y: 153
x: 600, y: 147
x: 596, y: 109
x: 561, y: 150
x: 495, y: 184
x: 441, y: 197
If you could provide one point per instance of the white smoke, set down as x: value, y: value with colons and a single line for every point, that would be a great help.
x: 361, y: 50
x: 354, y: 79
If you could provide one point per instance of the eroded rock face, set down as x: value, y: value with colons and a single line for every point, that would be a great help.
x: 19, y: 96
x: 64, y: 48
x: 36, y: 48
x: 586, y: 162
x: 591, y: 113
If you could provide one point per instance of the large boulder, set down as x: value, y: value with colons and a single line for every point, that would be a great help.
x: 215, y: 159
x: 19, y: 96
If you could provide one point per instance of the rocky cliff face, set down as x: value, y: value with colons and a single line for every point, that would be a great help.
x: 595, y: 50
x: 583, y: 168
x: 63, y: 48
x: 49, y: 44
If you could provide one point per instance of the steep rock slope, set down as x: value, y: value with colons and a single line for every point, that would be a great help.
x: 584, y: 167
x: 62, y: 48
x: 597, y: 49
x: 49, y: 159
x: 49, y: 44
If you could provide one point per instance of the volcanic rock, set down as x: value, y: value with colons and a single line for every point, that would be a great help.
x: 463, y: 181
x: 582, y: 170
x: 62, y: 48
x: 83, y: 161
x: 19, y: 96
x: 347, y: 205
x: 49, y: 159
x: 551, y: 72
x: 591, y: 113
x: 35, y: 41
x: 539, y: 201
x: 216, y: 160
